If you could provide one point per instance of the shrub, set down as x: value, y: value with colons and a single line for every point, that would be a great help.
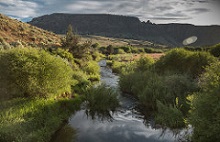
x: 126, y: 49
x: 215, y: 50
x: 152, y: 50
x: 183, y: 61
x: 148, y: 87
x: 110, y: 49
x: 82, y: 81
x: 4, y: 44
x: 91, y: 67
x: 117, y: 66
x: 64, y: 54
x: 196, y: 63
x: 169, y: 116
x: 205, y: 113
x: 33, y: 72
x: 144, y: 63
x: 100, y: 102
x: 95, y: 45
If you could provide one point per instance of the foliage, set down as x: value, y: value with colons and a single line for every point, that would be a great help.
x: 32, y: 72
x: 152, y: 50
x: 71, y: 40
x: 126, y: 49
x: 171, y: 90
x: 215, y: 50
x: 110, y: 49
x: 117, y: 67
x: 144, y: 63
x: 100, y: 102
x: 169, y: 116
x: 183, y: 61
x: 95, y: 45
x: 205, y: 112
x: 26, y: 120
x: 63, y: 53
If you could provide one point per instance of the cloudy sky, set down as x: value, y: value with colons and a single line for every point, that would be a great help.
x: 198, y: 12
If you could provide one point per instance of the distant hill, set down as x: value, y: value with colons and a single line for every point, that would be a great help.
x: 128, y: 27
x: 12, y: 30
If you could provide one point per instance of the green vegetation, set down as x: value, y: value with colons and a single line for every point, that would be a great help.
x: 29, y: 72
x: 100, y: 102
x: 205, y: 112
x: 215, y: 50
x: 41, y: 88
x: 163, y: 87
x: 25, y: 120
x: 183, y: 61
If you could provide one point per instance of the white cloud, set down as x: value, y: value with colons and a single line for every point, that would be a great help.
x: 18, y: 8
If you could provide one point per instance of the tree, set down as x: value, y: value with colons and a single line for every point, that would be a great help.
x: 71, y: 40
x: 110, y: 49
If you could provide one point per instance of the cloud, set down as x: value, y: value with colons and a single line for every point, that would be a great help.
x: 157, y: 10
x: 18, y: 8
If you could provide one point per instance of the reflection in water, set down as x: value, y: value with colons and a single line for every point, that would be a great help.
x: 128, y: 124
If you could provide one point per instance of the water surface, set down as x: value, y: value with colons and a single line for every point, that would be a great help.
x: 127, y: 125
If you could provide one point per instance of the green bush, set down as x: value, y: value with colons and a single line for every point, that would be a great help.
x: 183, y: 61
x: 152, y: 50
x: 117, y: 67
x: 101, y: 101
x: 205, y: 113
x: 32, y: 72
x: 95, y: 45
x: 63, y: 53
x: 169, y: 116
x: 91, y: 67
x: 126, y: 49
x: 215, y: 50
x: 148, y: 87
x: 144, y: 63
x: 82, y: 81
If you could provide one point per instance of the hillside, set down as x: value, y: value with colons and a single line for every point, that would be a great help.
x: 12, y: 30
x: 128, y: 27
x: 105, y: 41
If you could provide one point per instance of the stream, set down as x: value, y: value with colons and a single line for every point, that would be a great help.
x: 128, y: 125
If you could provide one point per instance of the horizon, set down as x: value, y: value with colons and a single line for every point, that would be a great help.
x: 195, y: 12
x: 26, y: 21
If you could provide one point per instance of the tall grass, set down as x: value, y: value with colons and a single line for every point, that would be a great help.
x: 100, y: 101
x: 26, y: 120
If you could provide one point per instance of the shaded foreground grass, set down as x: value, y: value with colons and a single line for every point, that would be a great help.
x: 26, y: 120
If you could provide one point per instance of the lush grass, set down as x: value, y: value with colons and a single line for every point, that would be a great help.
x: 26, y: 120
x: 100, y: 101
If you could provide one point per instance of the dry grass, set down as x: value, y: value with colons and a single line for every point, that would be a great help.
x: 105, y: 41
x: 12, y: 30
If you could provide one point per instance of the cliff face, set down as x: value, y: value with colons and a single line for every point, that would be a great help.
x: 128, y: 27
